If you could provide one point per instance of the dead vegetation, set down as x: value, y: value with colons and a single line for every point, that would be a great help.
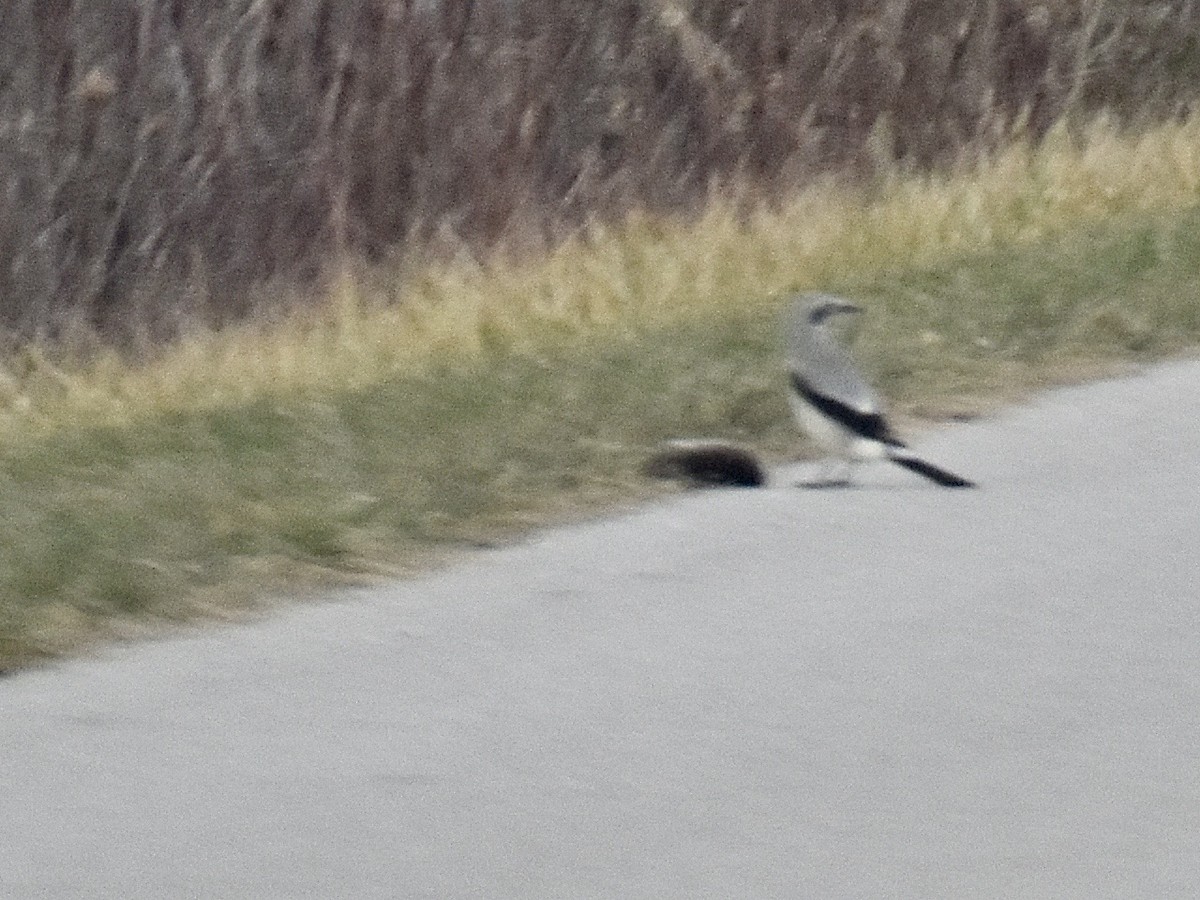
x: 161, y: 161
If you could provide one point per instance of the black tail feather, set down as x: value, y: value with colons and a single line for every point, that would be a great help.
x: 929, y: 470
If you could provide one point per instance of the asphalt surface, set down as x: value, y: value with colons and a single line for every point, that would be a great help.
x: 888, y: 691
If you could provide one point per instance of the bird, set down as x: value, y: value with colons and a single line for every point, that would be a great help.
x: 834, y: 404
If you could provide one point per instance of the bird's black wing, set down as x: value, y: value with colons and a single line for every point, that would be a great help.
x: 870, y: 425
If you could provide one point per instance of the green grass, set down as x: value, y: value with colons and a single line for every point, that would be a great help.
x: 371, y: 441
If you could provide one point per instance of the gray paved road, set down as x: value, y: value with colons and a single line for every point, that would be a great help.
x: 893, y: 691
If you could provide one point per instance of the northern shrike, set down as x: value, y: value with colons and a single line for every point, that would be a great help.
x: 833, y: 403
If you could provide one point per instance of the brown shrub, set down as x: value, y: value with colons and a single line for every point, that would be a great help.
x: 158, y: 159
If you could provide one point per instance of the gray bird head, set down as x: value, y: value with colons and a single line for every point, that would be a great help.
x: 808, y: 315
x: 818, y: 308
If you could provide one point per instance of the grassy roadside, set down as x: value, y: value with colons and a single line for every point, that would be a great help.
x: 369, y: 441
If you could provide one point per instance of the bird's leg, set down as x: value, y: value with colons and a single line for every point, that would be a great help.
x: 832, y: 472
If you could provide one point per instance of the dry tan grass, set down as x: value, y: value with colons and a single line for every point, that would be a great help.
x: 652, y: 272
x: 161, y: 160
